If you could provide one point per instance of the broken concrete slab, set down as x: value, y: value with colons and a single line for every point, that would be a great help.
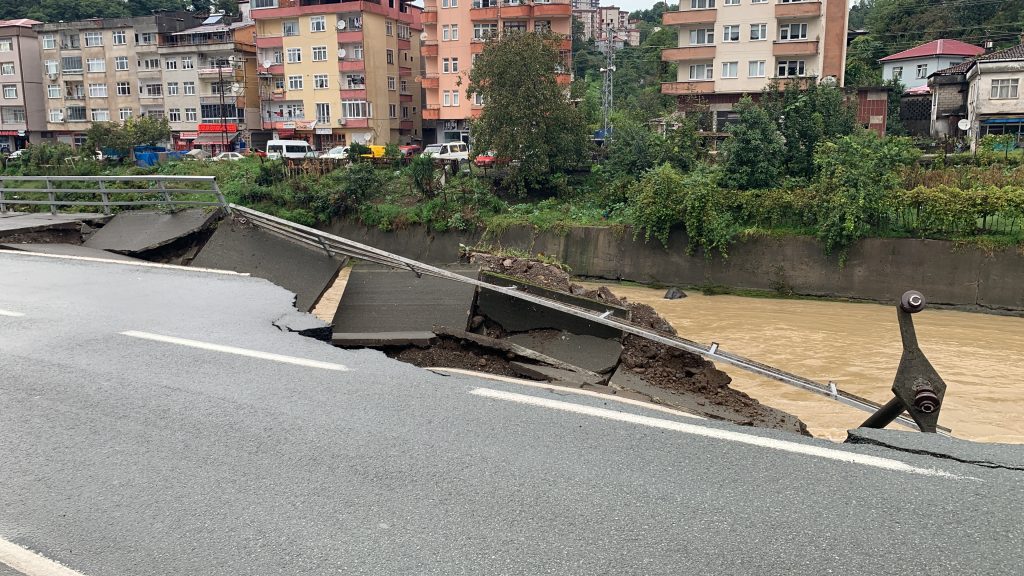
x: 510, y: 348
x: 380, y: 339
x: 302, y: 269
x: 989, y: 455
x: 304, y: 324
x: 68, y: 250
x: 140, y: 231
x: 589, y: 352
x: 556, y: 375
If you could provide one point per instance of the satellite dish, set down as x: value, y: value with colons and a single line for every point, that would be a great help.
x: 423, y: 36
x: 236, y: 88
x: 829, y: 81
x: 964, y: 124
x: 267, y: 63
x: 341, y: 53
x: 341, y: 25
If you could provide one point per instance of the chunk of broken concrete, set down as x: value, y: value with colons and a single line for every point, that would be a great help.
x: 674, y: 294
x: 588, y: 352
x: 555, y: 375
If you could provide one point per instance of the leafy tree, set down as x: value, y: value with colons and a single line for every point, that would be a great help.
x: 893, y: 123
x: 527, y: 117
x: 862, y: 65
x: 655, y: 203
x: 807, y: 117
x: 686, y: 147
x: 421, y: 170
x: 635, y: 149
x: 755, y: 149
x: 707, y: 214
x: 121, y: 138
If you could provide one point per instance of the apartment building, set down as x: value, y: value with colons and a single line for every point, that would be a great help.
x: 455, y: 31
x: 334, y: 73
x: 21, y: 109
x: 211, y: 87
x: 728, y: 48
x: 103, y: 70
x: 607, y: 24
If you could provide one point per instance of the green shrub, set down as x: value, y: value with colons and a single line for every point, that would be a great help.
x: 656, y: 203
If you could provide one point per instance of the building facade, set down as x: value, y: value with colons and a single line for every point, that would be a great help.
x: 334, y: 73
x: 994, y: 95
x: 607, y: 22
x: 728, y: 48
x: 21, y: 109
x: 912, y: 67
x: 454, y: 32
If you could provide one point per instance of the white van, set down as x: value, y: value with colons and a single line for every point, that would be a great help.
x: 294, y: 149
x: 448, y: 151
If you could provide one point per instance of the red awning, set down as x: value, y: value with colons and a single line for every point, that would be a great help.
x: 209, y: 138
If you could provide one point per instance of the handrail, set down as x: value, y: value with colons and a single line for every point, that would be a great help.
x: 8, y: 185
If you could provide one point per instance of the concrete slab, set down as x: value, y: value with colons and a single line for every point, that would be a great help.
x: 304, y: 324
x: 1010, y: 456
x: 591, y: 353
x: 555, y: 375
x: 138, y: 231
x: 374, y: 339
x: 379, y: 299
x: 68, y: 250
x: 242, y: 248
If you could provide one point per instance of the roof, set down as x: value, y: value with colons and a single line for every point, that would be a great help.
x: 941, y: 47
x: 960, y: 68
x: 1014, y: 53
x: 213, y: 28
x: 918, y: 90
x: 25, y: 22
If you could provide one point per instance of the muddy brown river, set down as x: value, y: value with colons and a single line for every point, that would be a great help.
x: 857, y: 346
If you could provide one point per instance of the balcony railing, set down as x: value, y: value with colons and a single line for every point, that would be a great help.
x: 688, y: 53
x: 795, y: 48
x: 684, y: 17
x: 798, y: 10
x: 688, y: 87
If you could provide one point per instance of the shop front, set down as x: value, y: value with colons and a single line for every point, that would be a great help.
x: 11, y: 140
x: 217, y: 138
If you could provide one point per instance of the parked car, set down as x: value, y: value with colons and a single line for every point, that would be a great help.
x: 409, y: 151
x: 375, y: 151
x: 486, y: 160
x: 257, y: 152
x: 197, y: 154
x: 336, y: 153
x: 228, y: 156
x: 448, y: 151
x: 16, y: 155
x: 292, y: 149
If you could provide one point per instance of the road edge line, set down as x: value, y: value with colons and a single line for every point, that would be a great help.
x: 25, y: 561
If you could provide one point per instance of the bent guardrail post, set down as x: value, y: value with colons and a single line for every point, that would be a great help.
x: 917, y: 388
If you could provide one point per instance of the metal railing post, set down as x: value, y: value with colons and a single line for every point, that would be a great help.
x: 105, y: 197
x: 167, y: 195
x: 52, y: 193
x: 220, y: 197
x: 3, y: 205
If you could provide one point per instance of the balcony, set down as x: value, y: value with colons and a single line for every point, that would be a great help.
x: 350, y: 37
x: 477, y: 47
x: 551, y: 10
x: 429, y: 50
x: 355, y: 122
x: 490, y: 13
x: 403, y: 44
x: 221, y: 72
x: 802, y: 82
x: 269, y: 42
x: 432, y: 113
x: 351, y: 65
x: 563, y: 79
x: 405, y: 97
x: 405, y: 125
x: 353, y: 93
x: 273, y: 70
x: 430, y: 81
x: 795, y: 48
x: 688, y: 53
x: 216, y: 98
x: 685, y: 17
x: 429, y: 17
x: 520, y: 11
x: 404, y: 72
x: 691, y: 87
x: 798, y: 10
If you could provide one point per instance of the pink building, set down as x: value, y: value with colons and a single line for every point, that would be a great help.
x: 454, y: 32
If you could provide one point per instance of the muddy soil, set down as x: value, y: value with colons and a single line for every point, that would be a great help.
x: 455, y: 353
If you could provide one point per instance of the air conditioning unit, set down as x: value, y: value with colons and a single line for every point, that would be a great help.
x: 52, y: 76
x: 341, y: 121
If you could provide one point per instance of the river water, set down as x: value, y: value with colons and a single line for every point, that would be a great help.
x: 857, y: 346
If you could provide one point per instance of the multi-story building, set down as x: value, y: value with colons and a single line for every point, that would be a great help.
x: 728, y: 48
x: 585, y: 4
x: 455, y: 31
x: 607, y: 25
x: 335, y: 73
x: 912, y: 67
x: 103, y: 70
x: 211, y: 89
x: 21, y: 109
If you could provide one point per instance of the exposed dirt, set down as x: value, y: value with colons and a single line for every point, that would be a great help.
x: 455, y: 353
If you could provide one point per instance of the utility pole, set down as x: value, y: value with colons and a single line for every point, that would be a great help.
x: 608, y: 87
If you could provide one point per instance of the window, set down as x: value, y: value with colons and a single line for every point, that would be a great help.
x: 701, y: 72
x: 403, y: 85
x: 174, y: 114
x: 897, y: 72
x: 100, y: 115
x: 788, y: 68
x: 793, y: 32
x: 94, y: 39
x: 96, y: 65
x: 478, y: 99
x: 455, y: 31
x: 294, y: 55
x: 97, y: 90
x: 49, y: 41
x: 922, y: 71
x: 75, y: 114
x: 389, y: 28
x: 455, y: 65
x: 56, y: 115
x: 391, y: 56
x: 484, y: 31
x: 405, y: 112
x: 7, y: 69
x: 541, y: 26
x: 154, y: 90
x: 355, y: 81
x: 279, y: 83
x: 6, y: 45
x: 264, y: 4
x: 731, y: 2
x: 120, y: 63
x: 755, y: 69
x: 357, y: 52
x: 445, y: 65
x: 702, y: 36
x: 1005, y: 88
x: 189, y: 88
x: 119, y: 38
x: 391, y: 83
x: 356, y: 108
x: 730, y: 69
x: 446, y: 32
x: 124, y: 113
x: 151, y: 64
x: 10, y: 91
x: 51, y: 67
x: 319, y: 53
x: 53, y: 91
x: 731, y: 33
x: 186, y: 63
x: 444, y: 4
x: 295, y: 82
x: 158, y: 113
x: 758, y: 1
x: 123, y: 89
x: 323, y: 113
x: 514, y: 26
x: 392, y: 110
x: 455, y: 97
x: 446, y: 98
x: 71, y: 64
x: 12, y: 115
x: 290, y: 28
x: 190, y: 115
x: 355, y: 23
x: 758, y: 31
x: 145, y: 38
x: 170, y: 64
x: 217, y: 112
x: 317, y: 23
x: 403, y: 31
x: 321, y: 81
x: 70, y: 41
x: 700, y: 4
x: 172, y: 88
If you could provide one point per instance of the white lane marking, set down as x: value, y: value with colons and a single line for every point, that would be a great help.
x: 239, y: 351
x: 9, y: 313
x: 561, y: 389
x: 28, y: 562
x: 728, y: 435
x: 124, y: 262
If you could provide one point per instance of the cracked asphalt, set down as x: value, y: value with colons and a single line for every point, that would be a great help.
x: 121, y: 455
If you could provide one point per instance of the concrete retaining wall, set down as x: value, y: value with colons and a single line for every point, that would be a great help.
x: 877, y: 269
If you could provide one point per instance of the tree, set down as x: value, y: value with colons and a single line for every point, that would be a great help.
x: 754, y: 151
x: 121, y: 138
x: 656, y: 203
x: 635, y: 149
x: 806, y: 117
x: 527, y: 117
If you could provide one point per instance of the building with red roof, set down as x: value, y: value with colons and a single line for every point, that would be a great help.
x: 912, y: 67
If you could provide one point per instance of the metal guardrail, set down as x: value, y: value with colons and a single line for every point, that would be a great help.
x: 333, y: 245
x: 166, y: 190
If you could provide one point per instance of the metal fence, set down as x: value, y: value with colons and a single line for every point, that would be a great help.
x: 108, y: 192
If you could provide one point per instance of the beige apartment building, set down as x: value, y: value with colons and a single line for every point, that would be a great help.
x: 728, y: 48
x: 333, y: 73
x: 211, y: 87
x: 21, y: 106
x: 103, y: 70
x: 455, y: 31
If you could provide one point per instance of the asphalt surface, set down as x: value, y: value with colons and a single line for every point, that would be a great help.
x: 122, y: 455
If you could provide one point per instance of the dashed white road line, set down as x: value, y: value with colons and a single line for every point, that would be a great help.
x: 140, y: 263
x: 717, y: 433
x: 29, y: 563
x: 239, y: 351
x: 10, y: 313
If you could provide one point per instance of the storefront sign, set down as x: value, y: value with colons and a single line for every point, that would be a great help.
x: 226, y: 127
x: 323, y: 131
x: 187, y: 135
x: 9, y: 133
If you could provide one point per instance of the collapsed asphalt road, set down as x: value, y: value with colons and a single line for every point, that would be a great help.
x: 155, y: 421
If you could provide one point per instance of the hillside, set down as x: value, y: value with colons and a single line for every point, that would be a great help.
x: 71, y: 10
